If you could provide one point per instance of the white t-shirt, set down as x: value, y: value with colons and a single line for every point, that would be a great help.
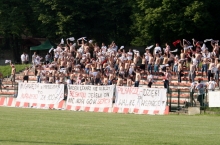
x: 211, y: 85
x: 156, y: 49
x: 150, y: 78
x: 68, y: 81
x: 26, y: 57
x: 193, y: 85
x: 23, y: 58
x: 194, y: 60
x: 130, y: 54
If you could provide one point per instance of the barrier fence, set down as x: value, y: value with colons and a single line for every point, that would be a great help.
x: 117, y: 99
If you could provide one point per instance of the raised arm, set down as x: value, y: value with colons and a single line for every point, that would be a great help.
x: 181, y: 44
x: 212, y: 44
x: 194, y: 43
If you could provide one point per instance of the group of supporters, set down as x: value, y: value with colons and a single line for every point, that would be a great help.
x: 87, y: 63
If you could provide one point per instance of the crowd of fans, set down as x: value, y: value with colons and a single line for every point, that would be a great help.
x: 87, y: 63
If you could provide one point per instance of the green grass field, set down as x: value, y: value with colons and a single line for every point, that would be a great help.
x: 55, y: 127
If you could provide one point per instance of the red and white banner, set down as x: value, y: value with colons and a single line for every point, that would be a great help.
x: 38, y: 93
x: 89, y: 97
x: 140, y: 100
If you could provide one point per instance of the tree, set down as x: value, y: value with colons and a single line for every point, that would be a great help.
x: 167, y: 20
x: 13, y: 23
x: 102, y: 20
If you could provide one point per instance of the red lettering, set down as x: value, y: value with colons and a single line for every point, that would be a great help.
x: 104, y: 101
x: 127, y: 90
x: 77, y: 94
x: 29, y: 96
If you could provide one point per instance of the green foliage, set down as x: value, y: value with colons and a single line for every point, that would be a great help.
x: 168, y: 20
x: 102, y: 20
x: 136, y: 22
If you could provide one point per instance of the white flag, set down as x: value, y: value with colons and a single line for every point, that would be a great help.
x: 90, y: 41
x: 62, y: 41
x: 51, y: 49
x: 174, y: 50
x: 149, y: 47
x: 206, y: 40
x: 122, y: 47
x: 7, y: 61
x: 84, y: 38
x: 71, y: 38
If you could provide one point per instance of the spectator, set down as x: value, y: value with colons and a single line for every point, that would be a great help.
x: 167, y: 77
x: 23, y: 58
x: 150, y: 80
x: 13, y: 71
x: 211, y: 84
x: 201, y: 92
x: 47, y: 58
x: 26, y: 58
x: 192, y: 69
x: 26, y: 77
x: 192, y: 91
x: 1, y: 79
x: 137, y: 78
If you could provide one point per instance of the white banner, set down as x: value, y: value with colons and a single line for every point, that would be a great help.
x: 90, y: 96
x: 214, y: 98
x: 151, y: 99
x: 40, y: 93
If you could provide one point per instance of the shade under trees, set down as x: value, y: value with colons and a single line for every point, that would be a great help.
x: 127, y: 22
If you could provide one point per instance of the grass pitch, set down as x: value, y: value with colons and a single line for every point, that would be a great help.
x: 54, y: 127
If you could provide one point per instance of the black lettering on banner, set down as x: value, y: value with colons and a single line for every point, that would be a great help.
x: 43, y: 97
x: 51, y: 97
x: 80, y: 101
x: 28, y: 86
x: 131, y: 103
x: 95, y: 88
x: 104, y: 88
x: 49, y: 86
x: 40, y: 92
x: 150, y: 92
x: 125, y: 102
x: 150, y: 103
x: 85, y: 88
x: 106, y: 94
x: 94, y: 95
x: 74, y: 88
x: 122, y: 102
x: 91, y: 101
x: 71, y: 100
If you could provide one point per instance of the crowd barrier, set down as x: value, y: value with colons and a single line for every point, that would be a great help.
x: 111, y: 99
